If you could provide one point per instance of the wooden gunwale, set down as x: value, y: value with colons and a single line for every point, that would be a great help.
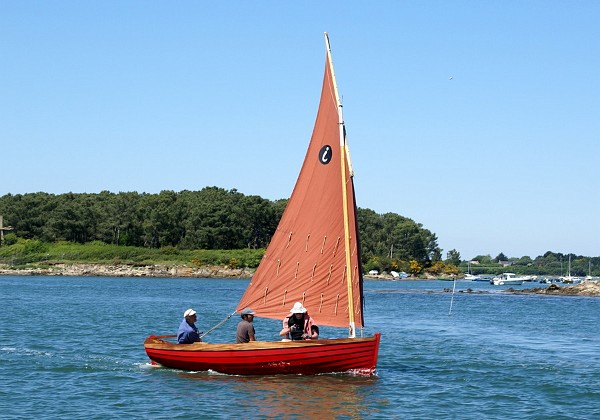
x: 153, y: 342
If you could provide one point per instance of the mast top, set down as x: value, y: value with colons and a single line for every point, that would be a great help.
x: 330, y: 62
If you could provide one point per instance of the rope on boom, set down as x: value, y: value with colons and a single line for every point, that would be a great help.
x: 218, y: 325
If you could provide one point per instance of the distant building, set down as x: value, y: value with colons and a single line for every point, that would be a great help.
x: 506, y: 263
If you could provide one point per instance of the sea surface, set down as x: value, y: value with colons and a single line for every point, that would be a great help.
x: 72, y: 347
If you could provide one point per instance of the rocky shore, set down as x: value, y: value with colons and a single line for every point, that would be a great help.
x: 122, y: 270
x: 585, y: 288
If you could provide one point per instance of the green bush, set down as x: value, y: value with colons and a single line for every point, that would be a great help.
x: 10, y: 239
x: 32, y: 251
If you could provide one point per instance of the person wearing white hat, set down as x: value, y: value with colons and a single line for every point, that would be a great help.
x: 245, y: 329
x: 298, y: 325
x: 188, y: 333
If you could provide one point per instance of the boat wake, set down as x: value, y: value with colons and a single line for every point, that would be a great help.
x: 21, y: 351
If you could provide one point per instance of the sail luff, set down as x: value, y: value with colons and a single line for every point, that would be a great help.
x: 351, y: 323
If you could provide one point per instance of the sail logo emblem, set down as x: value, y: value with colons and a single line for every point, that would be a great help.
x: 325, y: 154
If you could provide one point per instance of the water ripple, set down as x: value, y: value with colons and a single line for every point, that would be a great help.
x: 496, y: 356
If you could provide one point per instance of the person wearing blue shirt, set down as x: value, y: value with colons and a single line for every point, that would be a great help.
x: 188, y: 333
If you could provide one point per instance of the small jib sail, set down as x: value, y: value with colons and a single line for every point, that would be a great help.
x: 314, y: 255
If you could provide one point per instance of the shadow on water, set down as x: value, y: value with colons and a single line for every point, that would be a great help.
x: 291, y: 396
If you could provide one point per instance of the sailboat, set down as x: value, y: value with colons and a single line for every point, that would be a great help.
x: 469, y: 275
x: 313, y: 258
x: 569, y: 278
x: 589, y: 276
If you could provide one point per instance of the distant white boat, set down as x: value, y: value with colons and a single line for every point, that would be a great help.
x: 469, y: 275
x: 589, y: 276
x: 569, y: 279
x: 508, y: 278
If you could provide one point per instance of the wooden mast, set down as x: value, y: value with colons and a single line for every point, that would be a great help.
x: 352, y: 325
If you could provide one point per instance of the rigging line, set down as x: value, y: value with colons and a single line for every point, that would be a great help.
x: 218, y: 325
x: 452, y: 298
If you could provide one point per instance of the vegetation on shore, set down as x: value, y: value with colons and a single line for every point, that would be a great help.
x: 33, y: 254
x: 211, y: 226
x: 218, y: 227
x: 552, y: 264
x: 30, y: 253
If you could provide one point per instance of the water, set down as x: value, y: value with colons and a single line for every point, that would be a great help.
x: 72, y: 347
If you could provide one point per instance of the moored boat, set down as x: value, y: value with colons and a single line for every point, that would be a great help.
x: 507, y: 279
x: 569, y: 279
x: 469, y: 275
x: 313, y: 258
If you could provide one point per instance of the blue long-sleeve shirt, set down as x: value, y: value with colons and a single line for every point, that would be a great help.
x: 187, y: 334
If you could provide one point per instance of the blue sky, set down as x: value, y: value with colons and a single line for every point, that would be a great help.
x: 478, y: 119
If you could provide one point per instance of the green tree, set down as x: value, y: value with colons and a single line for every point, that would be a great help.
x: 500, y: 257
x: 453, y: 257
x: 395, y: 236
x: 483, y: 259
x: 525, y: 260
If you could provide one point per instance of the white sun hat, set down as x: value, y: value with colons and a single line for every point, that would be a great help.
x: 189, y: 312
x: 298, y: 308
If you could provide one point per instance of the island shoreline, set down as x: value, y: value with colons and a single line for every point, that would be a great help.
x: 124, y: 270
x: 585, y: 288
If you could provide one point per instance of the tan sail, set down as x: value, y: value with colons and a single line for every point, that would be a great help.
x: 314, y: 255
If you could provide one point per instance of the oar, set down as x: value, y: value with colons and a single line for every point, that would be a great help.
x: 217, y: 326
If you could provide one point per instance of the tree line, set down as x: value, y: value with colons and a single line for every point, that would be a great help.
x: 211, y: 219
x: 550, y: 264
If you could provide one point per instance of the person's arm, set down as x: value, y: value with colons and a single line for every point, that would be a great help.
x: 285, y: 330
x: 195, y: 335
x: 313, y: 331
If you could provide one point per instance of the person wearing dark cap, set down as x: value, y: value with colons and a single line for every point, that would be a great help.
x: 188, y: 333
x: 245, y: 329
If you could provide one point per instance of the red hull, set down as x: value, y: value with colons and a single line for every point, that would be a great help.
x: 269, y: 358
